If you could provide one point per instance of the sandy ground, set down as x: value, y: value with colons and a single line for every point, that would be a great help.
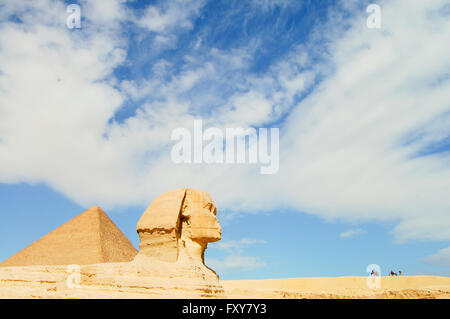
x: 124, y: 280
x: 340, y: 287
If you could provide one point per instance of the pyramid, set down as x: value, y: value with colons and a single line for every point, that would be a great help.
x: 89, y: 238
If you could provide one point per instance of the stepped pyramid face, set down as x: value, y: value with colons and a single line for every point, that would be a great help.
x: 89, y: 238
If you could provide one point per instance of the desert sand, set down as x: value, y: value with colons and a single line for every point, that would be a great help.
x: 89, y: 257
x: 404, y: 287
x: 114, y: 282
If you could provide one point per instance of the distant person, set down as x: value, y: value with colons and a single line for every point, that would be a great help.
x: 399, y: 272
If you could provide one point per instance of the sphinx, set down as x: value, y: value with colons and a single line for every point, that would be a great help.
x: 176, y: 229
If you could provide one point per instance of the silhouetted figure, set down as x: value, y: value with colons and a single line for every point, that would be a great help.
x: 392, y: 273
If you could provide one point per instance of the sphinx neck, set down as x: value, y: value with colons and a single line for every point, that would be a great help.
x: 192, y: 249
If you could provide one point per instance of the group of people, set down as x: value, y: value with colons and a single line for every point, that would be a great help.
x: 391, y: 273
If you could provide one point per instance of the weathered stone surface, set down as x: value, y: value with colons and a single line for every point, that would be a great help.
x: 177, y: 227
x: 159, y: 226
x: 112, y: 280
x: 89, y: 238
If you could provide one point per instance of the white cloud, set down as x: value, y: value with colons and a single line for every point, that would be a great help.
x: 353, y: 155
x: 348, y: 150
x: 440, y: 258
x: 55, y: 101
x: 351, y: 233
x: 174, y: 14
x: 99, y: 12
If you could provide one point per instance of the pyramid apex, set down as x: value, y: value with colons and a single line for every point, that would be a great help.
x: 96, y: 209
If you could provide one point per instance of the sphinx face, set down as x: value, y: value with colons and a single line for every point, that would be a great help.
x: 204, y: 224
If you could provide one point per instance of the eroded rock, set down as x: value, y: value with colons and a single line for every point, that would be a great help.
x: 177, y: 227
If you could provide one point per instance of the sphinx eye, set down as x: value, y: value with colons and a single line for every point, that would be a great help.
x: 210, y: 207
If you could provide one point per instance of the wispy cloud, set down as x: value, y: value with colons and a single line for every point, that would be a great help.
x: 235, y: 262
x: 170, y: 15
x: 235, y: 255
x: 271, y: 4
x: 440, y: 258
x: 237, y: 245
x: 351, y: 233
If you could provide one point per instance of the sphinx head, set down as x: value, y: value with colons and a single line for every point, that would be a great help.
x: 177, y: 224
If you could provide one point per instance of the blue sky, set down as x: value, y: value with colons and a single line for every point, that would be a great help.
x: 86, y: 117
x: 269, y: 245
